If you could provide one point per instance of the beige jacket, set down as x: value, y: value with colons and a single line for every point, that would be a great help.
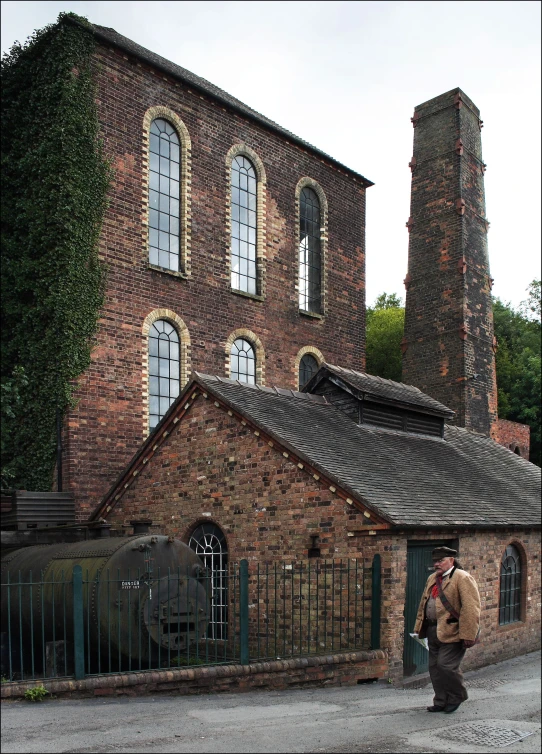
x: 461, y: 592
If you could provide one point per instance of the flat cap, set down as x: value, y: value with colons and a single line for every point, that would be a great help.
x: 443, y: 552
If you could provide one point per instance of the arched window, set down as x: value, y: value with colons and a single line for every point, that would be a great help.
x: 243, y: 225
x: 164, y: 369
x: 310, y: 256
x: 242, y: 362
x: 510, y: 593
x: 208, y: 541
x: 307, y: 367
x: 164, y: 195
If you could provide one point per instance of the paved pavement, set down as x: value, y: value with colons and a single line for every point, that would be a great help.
x: 504, y: 705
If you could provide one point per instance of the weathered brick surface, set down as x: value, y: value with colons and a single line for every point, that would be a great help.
x: 107, y: 426
x: 449, y: 320
x: 339, y: 670
x: 513, y: 435
x: 480, y: 553
x: 212, y: 468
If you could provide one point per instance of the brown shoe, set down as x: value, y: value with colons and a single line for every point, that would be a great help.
x: 436, y: 708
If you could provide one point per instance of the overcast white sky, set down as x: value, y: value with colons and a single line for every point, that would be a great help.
x: 345, y: 76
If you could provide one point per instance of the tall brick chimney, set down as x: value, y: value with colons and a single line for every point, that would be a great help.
x: 449, y: 346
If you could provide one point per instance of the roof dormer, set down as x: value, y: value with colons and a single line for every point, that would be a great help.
x: 367, y: 399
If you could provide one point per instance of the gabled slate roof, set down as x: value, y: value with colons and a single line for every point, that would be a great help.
x: 110, y: 36
x: 377, y: 389
x: 408, y: 480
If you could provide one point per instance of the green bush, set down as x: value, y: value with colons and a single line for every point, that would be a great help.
x: 37, y: 694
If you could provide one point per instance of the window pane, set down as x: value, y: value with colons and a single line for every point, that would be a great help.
x: 243, y: 224
x: 242, y: 361
x: 510, y: 586
x: 164, y: 193
x: 309, y: 252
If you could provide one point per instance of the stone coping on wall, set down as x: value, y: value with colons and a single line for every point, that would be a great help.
x: 347, y: 668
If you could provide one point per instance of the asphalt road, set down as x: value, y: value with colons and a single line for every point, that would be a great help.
x: 504, y: 704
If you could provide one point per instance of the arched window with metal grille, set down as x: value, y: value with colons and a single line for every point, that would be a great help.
x: 510, y: 591
x: 243, y: 362
x: 209, y: 542
x: 310, y: 254
x: 164, y: 369
x: 307, y: 367
x: 164, y: 195
x: 243, y: 225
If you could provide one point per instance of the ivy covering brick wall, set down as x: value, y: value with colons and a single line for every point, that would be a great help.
x: 54, y: 186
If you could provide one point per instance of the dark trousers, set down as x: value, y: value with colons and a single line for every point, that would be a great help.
x: 444, y: 671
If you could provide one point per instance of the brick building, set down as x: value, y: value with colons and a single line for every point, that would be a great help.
x: 354, y: 466
x: 236, y: 249
x: 272, y: 274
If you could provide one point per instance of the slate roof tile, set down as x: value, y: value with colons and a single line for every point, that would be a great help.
x: 377, y: 387
x: 409, y: 479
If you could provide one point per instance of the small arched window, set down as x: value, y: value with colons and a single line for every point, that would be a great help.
x: 510, y: 591
x: 307, y: 367
x: 164, y: 195
x: 164, y: 369
x: 208, y: 541
x: 243, y: 225
x: 310, y: 253
x: 243, y: 362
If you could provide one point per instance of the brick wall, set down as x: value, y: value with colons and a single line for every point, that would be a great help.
x: 480, y: 553
x: 449, y: 319
x: 513, y: 435
x: 345, y: 669
x: 110, y: 420
x: 212, y: 468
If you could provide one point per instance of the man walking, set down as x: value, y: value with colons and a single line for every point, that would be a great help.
x: 449, y: 616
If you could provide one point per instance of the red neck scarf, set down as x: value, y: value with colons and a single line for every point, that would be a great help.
x: 435, y: 589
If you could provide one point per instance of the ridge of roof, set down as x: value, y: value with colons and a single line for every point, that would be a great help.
x: 464, y: 480
x: 380, y: 387
x: 273, y: 390
x: 111, y: 36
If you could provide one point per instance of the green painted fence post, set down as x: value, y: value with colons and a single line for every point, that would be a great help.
x: 376, y: 601
x: 243, y: 610
x: 78, y: 624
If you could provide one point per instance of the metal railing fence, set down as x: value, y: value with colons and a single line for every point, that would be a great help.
x: 73, y: 626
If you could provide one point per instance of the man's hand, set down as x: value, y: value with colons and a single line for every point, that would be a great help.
x: 468, y: 643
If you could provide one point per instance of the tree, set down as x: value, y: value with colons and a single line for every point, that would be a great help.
x: 518, y: 360
x: 518, y: 364
x: 385, y: 326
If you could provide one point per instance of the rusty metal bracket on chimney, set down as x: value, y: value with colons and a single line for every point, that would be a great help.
x: 462, y: 265
x: 415, y: 118
x: 409, y: 224
x: 459, y: 147
x: 460, y: 205
x: 407, y: 281
x: 412, y: 164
